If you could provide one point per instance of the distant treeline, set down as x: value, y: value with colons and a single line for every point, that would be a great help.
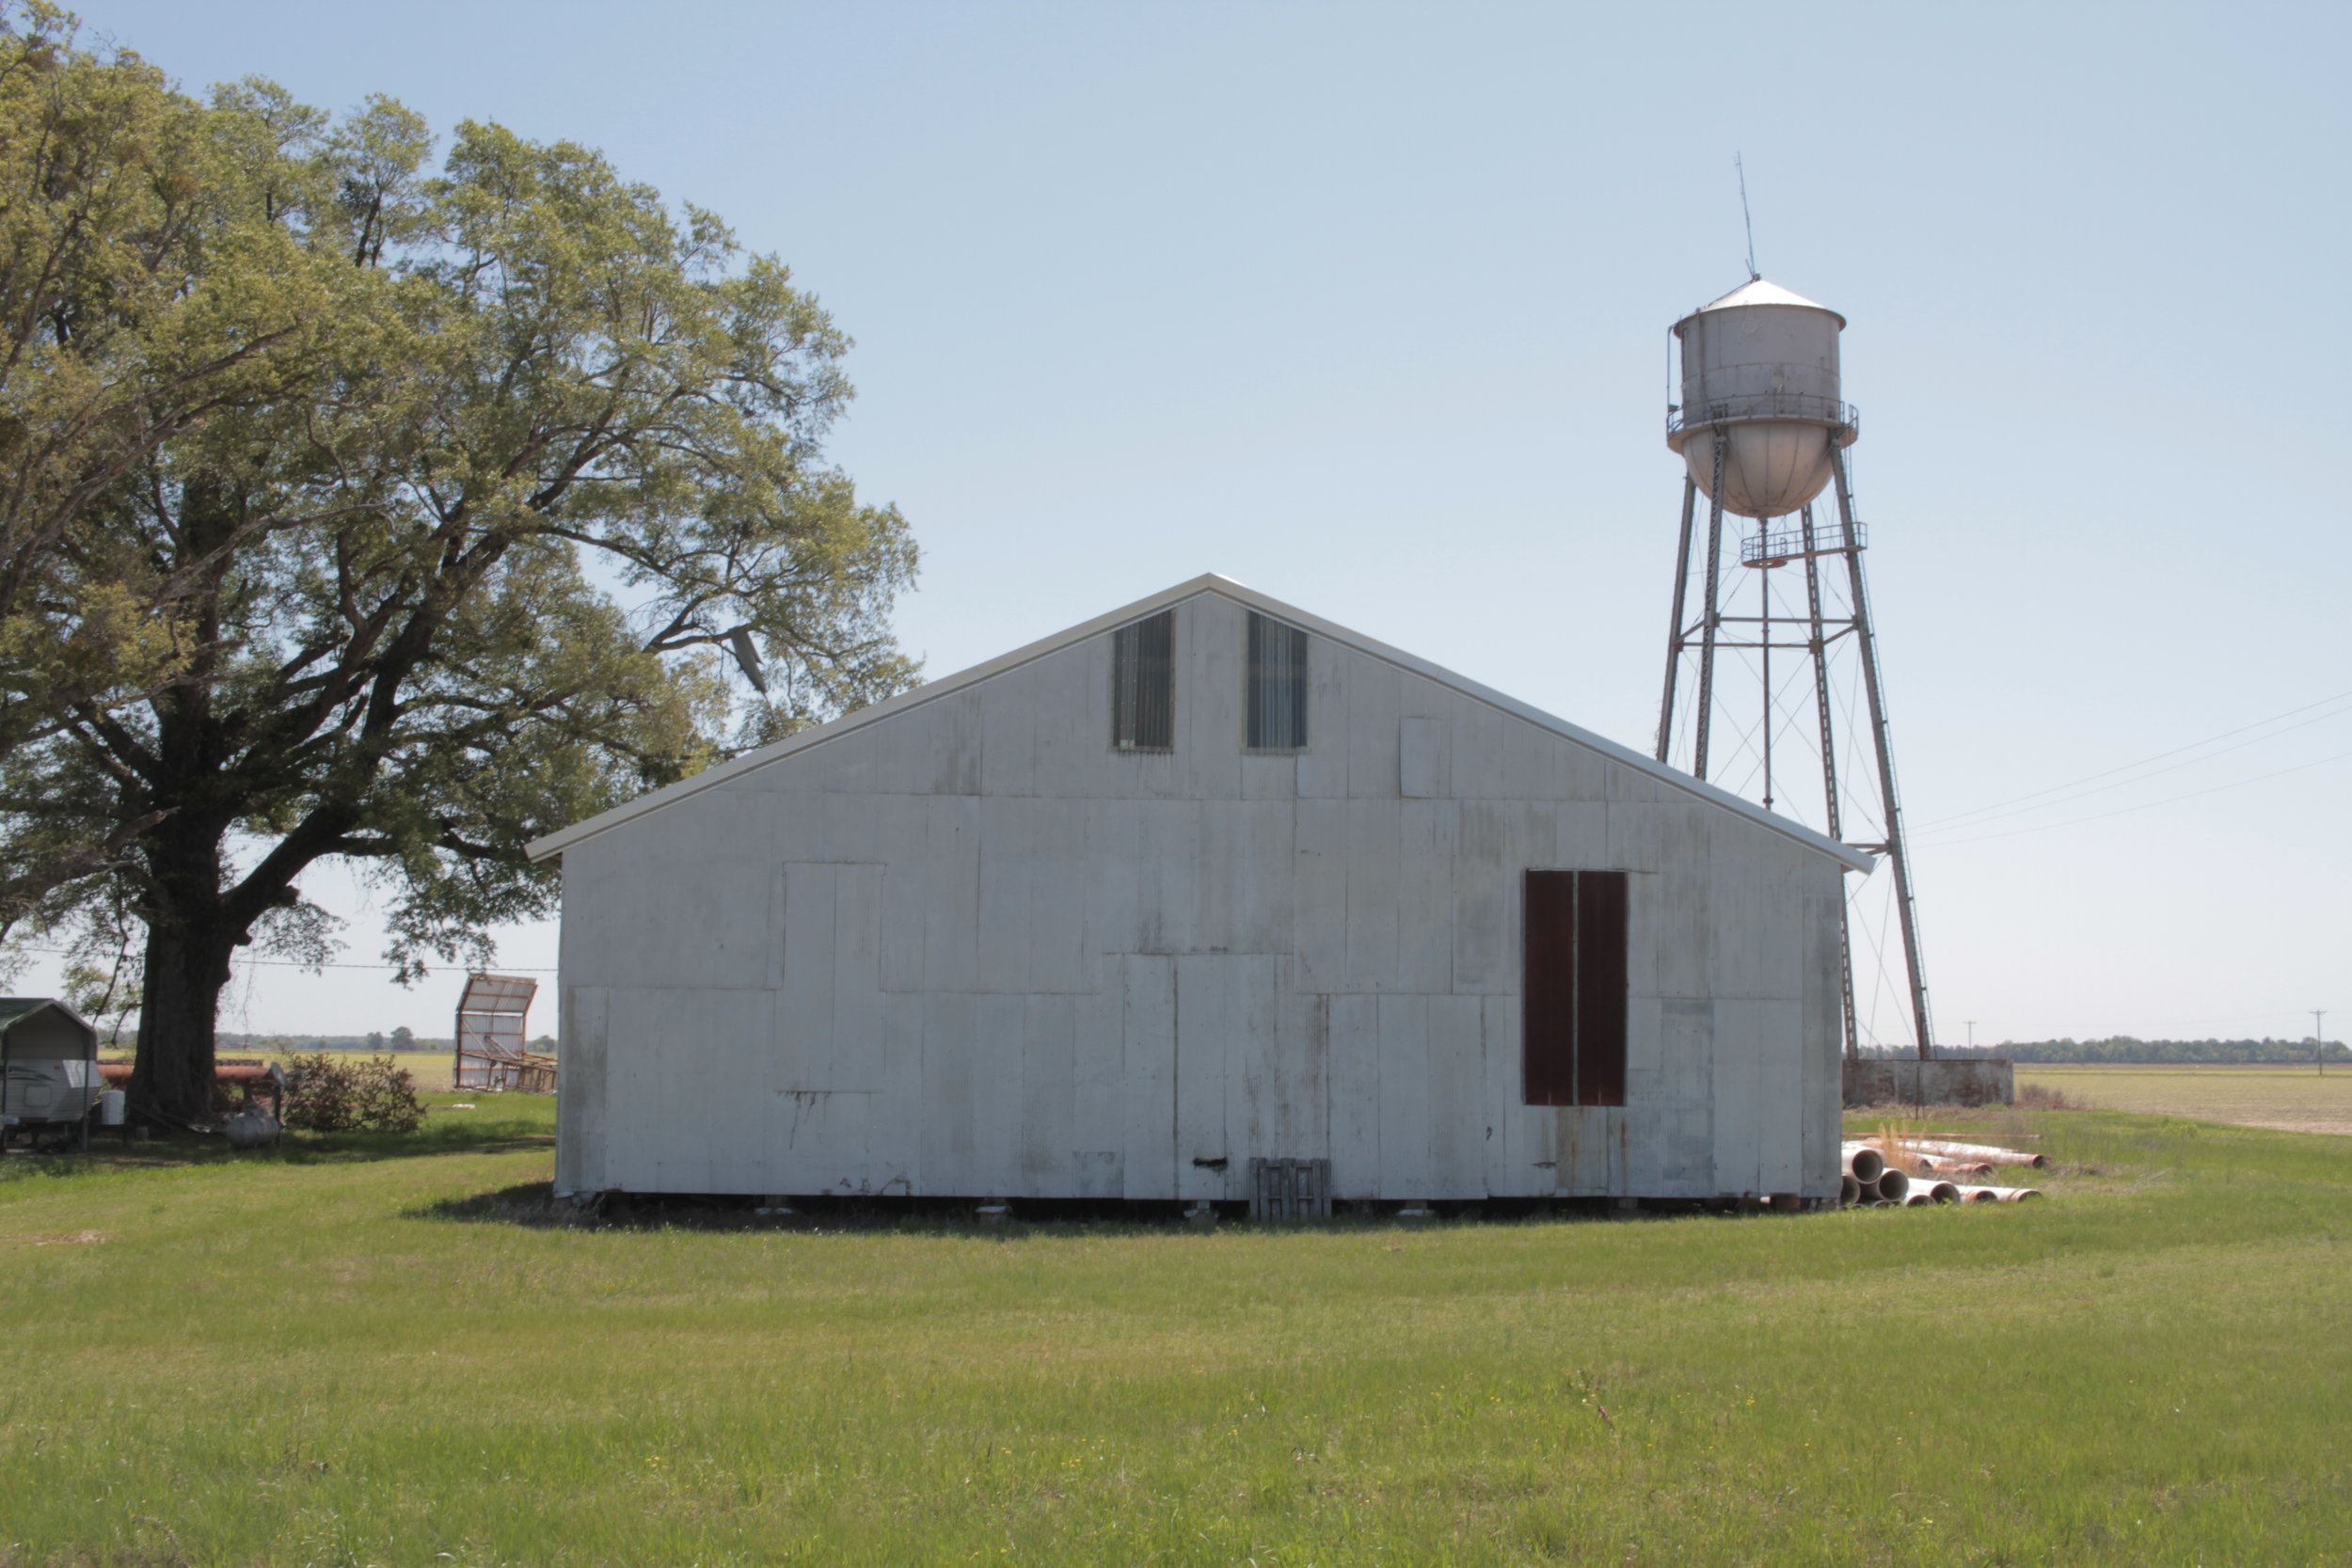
x: 399, y: 1041
x: 2124, y: 1048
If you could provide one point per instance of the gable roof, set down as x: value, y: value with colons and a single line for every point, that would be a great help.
x: 14, y: 1009
x: 556, y: 843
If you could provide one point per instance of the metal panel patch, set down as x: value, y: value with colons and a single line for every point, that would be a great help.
x: 1290, y: 1189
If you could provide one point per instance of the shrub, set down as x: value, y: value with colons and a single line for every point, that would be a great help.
x: 327, y: 1095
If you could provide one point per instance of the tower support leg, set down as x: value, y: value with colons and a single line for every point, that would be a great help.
x: 1677, y: 632
x: 1764, y: 655
x: 1714, y: 612
x: 1818, y: 644
x: 1906, y: 914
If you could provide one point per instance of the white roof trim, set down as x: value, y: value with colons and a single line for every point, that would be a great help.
x: 1758, y: 290
x: 556, y: 843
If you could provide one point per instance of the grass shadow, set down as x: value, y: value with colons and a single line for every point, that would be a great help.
x: 533, y: 1204
x: 181, y: 1150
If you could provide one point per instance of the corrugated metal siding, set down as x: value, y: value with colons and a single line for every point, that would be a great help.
x: 1048, y: 959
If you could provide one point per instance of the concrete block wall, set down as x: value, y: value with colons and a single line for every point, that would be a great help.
x: 1938, y: 1080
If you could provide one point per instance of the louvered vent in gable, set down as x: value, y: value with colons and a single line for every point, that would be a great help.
x: 1278, y: 686
x: 1143, y: 685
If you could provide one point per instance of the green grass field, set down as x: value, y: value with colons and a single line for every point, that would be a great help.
x: 330, y: 1355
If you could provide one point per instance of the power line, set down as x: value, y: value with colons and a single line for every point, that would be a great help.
x: 2145, y: 805
x: 2129, y: 767
x: 1989, y: 814
x: 297, y: 964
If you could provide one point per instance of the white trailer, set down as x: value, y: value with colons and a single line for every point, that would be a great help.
x: 48, y: 1078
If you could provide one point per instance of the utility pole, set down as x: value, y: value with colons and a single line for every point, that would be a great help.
x: 2319, y: 1035
x: 1972, y: 1036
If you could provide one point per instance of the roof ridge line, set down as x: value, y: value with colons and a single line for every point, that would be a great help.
x: 562, y: 838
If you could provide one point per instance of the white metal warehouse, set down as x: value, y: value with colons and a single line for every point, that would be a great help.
x: 1204, y: 882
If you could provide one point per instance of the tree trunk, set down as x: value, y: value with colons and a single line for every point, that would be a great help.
x: 188, y: 944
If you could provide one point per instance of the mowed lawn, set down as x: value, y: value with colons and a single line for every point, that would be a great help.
x: 303, y: 1358
x: 2293, y: 1099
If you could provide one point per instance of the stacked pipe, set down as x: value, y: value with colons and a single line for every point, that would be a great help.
x: 1986, y: 1155
x: 1997, y: 1195
x: 1867, y: 1177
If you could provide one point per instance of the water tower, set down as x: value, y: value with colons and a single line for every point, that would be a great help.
x: 1762, y: 430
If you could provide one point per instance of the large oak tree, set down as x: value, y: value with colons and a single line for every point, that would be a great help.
x: 143, y: 293
x: 549, y: 483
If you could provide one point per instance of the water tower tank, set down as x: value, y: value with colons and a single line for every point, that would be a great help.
x: 1760, y: 374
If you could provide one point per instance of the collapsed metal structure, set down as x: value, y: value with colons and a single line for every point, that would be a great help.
x: 491, y: 1053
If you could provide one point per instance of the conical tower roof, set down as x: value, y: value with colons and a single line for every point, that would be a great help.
x: 1759, y: 291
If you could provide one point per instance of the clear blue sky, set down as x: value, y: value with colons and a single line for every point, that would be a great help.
x: 1366, y: 305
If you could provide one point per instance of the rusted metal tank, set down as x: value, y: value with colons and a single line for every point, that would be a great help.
x: 251, y: 1128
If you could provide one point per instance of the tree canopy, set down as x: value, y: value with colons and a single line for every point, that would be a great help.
x: 142, y: 295
x: 455, y: 504
x: 2124, y: 1048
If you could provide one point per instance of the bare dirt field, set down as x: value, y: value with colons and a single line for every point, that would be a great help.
x: 2291, y: 1098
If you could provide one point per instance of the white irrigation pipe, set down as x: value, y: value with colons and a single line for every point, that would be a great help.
x: 1933, y: 1194
x: 1893, y: 1189
x: 1983, y: 1152
x: 1862, y: 1162
x: 1997, y: 1195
